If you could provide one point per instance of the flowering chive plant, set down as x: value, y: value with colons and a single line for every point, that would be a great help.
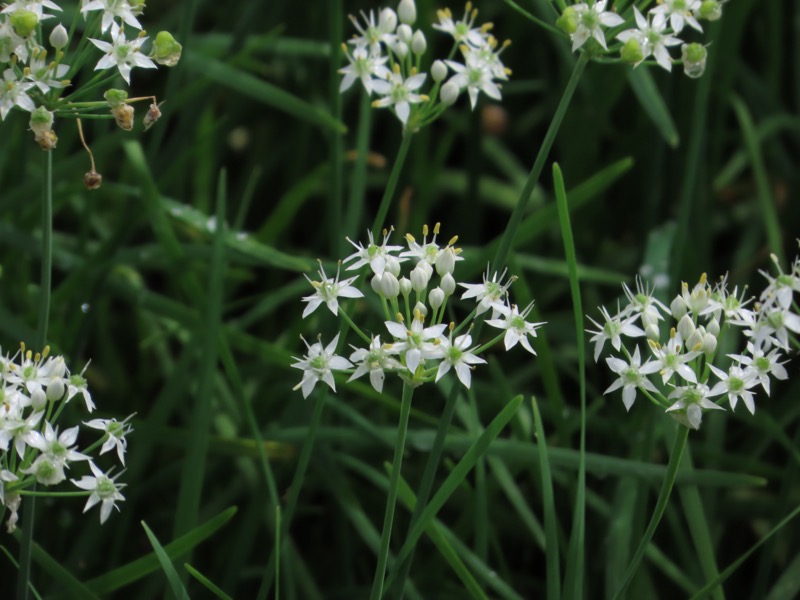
x: 643, y: 35
x: 39, y: 57
x: 415, y: 343
x: 388, y: 57
x: 677, y: 372
x: 34, y: 389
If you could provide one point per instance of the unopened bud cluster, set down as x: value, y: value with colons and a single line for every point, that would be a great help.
x: 414, y: 287
x: 388, y: 56
x: 679, y: 374
x: 652, y: 35
x: 34, y: 390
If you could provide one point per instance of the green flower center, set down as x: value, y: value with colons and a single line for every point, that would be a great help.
x: 105, y: 487
x: 318, y: 363
x: 631, y: 376
x: 762, y: 364
x: 454, y: 354
x: 735, y: 384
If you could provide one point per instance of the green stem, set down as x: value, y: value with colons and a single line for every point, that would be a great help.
x: 394, y: 482
x: 29, y: 504
x: 661, y: 504
x: 388, y: 193
x: 533, y: 178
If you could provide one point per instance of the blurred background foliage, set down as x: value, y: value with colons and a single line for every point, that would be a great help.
x: 255, y: 96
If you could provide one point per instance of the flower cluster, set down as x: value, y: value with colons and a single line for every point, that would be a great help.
x: 655, y: 32
x: 34, y: 390
x: 387, y: 56
x: 679, y: 375
x: 36, y: 74
x: 419, y: 345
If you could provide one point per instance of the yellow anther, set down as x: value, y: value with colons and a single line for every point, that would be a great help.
x: 672, y: 333
x: 46, y: 351
x: 410, y: 238
x: 453, y: 241
x: 425, y: 229
x: 436, y: 228
x: 703, y: 279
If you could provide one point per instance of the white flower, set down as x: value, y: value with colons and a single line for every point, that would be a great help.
x: 652, y: 38
x: 77, y: 384
x: 517, y: 328
x: 13, y: 93
x: 679, y: 13
x: 418, y: 343
x: 477, y: 74
x: 13, y: 426
x: 116, y: 432
x: 773, y: 326
x: 672, y: 359
x: 644, y: 304
x: 372, y: 34
x: 458, y: 354
x: 122, y: 53
x: 317, y: 365
x: 763, y: 365
x: 732, y: 305
x: 328, y: 291
x: 373, y: 360
x: 591, y: 20
x: 631, y: 377
x: 399, y: 93
x: 364, y: 66
x: 112, y: 9
x: 104, y: 490
x: 462, y: 31
x: 736, y: 384
x: 780, y: 289
x: 373, y: 255
x: 427, y: 251
x: 35, y: 6
x: 489, y: 294
x: 46, y: 75
x: 613, y: 329
x: 57, y: 451
x: 688, y: 410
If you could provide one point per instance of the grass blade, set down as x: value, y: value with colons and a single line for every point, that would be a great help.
x: 178, y: 591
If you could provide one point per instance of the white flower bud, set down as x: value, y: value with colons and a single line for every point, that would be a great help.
x: 405, y: 286
x: 712, y: 327
x: 392, y: 265
x: 686, y: 326
x: 405, y: 33
x: 651, y: 331
x: 407, y: 11
x: 376, y: 283
x: 418, y: 43
x: 649, y: 319
x: 436, y: 298
x: 58, y: 37
x: 446, y: 261
x: 55, y: 390
x: 390, y: 287
x: 438, y: 71
x: 678, y: 308
x: 425, y: 266
x: 38, y: 399
x: 400, y: 49
x: 695, y: 340
x: 449, y: 93
x: 419, y: 278
x: 387, y: 21
x: 448, y: 284
x: 709, y: 343
x: 421, y: 309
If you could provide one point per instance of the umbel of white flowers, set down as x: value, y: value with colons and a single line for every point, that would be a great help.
x: 679, y: 374
x: 414, y: 287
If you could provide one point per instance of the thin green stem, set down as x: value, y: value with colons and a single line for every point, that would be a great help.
x: 661, y: 504
x: 544, y: 151
x: 29, y: 507
x: 394, y: 482
x: 394, y: 176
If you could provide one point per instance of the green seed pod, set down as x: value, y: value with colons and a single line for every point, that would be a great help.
x: 166, y: 51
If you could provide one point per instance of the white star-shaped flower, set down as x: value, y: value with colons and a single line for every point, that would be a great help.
x: 318, y: 364
x: 122, y: 53
x: 328, y: 291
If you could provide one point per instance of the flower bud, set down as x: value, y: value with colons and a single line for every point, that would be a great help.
x: 709, y: 343
x: 405, y: 33
x: 420, y: 308
x: 649, y: 319
x: 448, y: 284
x: 115, y: 97
x: 694, y: 59
x: 387, y: 21
x: 419, y: 278
x: 407, y: 11
x: 712, y: 327
x: 710, y: 10
x: 92, y: 180
x: 632, y: 51
x: 59, y: 37
x: 438, y: 71
x: 426, y: 267
x: 686, y: 326
x: 166, y: 51
x: 449, y: 93
x: 23, y: 22
x: 375, y: 283
x: 400, y: 49
x: 38, y: 399
x: 392, y: 265
x: 418, y: 43
x: 678, y: 308
x: 446, y: 261
x: 651, y: 331
x: 695, y: 341
x: 405, y: 286
x: 568, y: 21
x: 390, y: 287
x: 436, y: 298
x: 55, y: 390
